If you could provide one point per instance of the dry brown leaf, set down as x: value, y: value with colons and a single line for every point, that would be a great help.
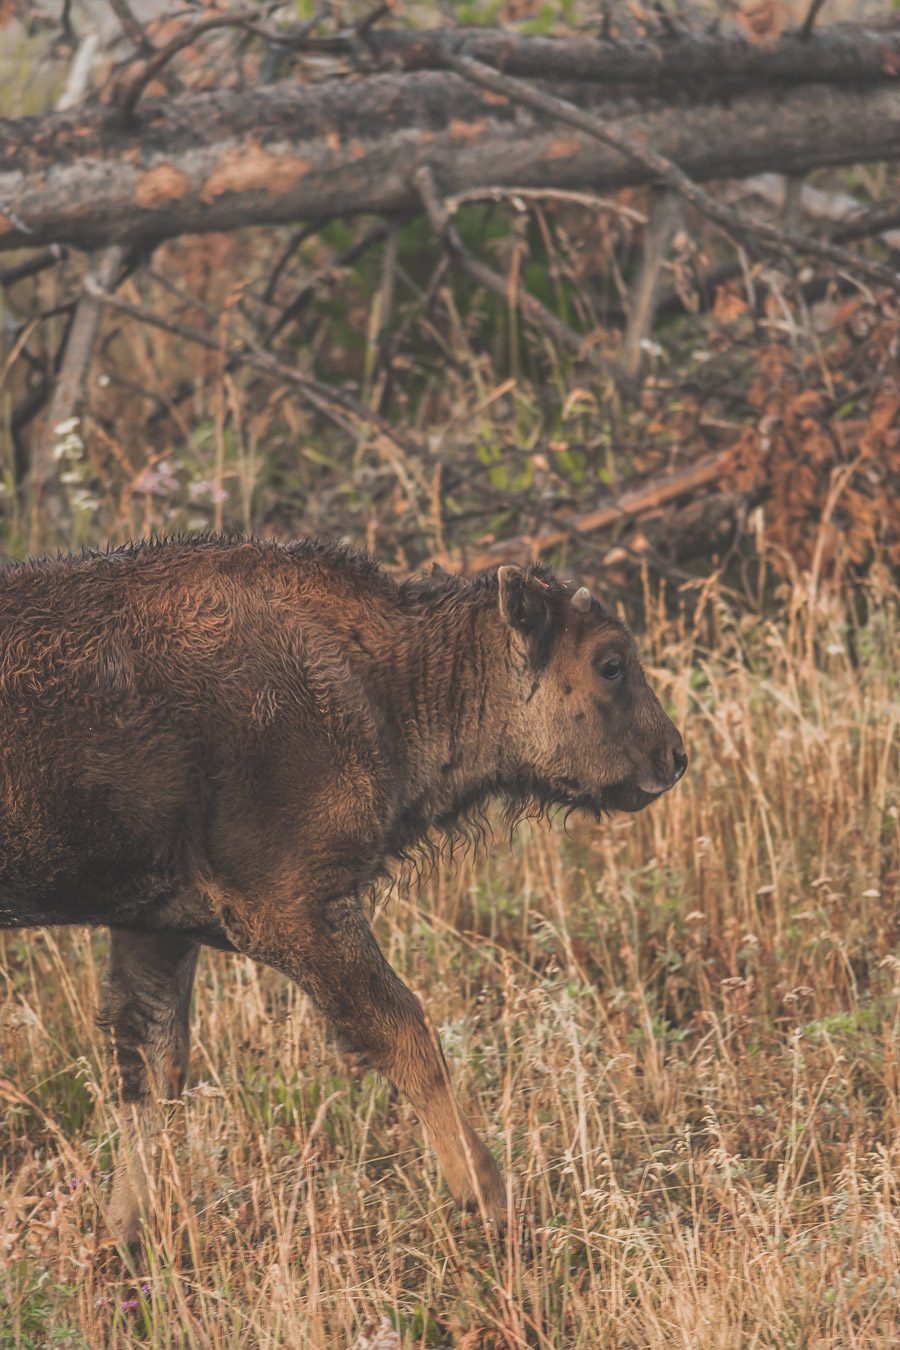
x: 765, y: 20
x: 729, y: 304
x: 484, y: 1338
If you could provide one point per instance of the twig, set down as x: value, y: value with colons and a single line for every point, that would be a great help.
x: 665, y: 21
x: 378, y: 354
x: 425, y: 299
x: 533, y: 310
x: 49, y: 257
x: 360, y: 428
x: 667, y: 172
x: 305, y: 294
x: 881, y: 219
x: 130, y: 25
x: 809, y: 22
x: 297, y: 238
x: 66, y: 22
x: 368, y: 22
x: 296, y: 36
x: 189, y: 334
x: 233, y: 361
x: 498, y: 194
x: 649, y: 496
x: 127, y: 100
x: 212, y: 312
x: 332, y: 403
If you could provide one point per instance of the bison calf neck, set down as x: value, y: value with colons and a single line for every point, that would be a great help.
x: 227, y: 742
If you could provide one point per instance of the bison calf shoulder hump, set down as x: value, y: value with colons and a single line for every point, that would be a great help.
x: 226, y: 742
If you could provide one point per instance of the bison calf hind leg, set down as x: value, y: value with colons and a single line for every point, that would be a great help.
x: 147, y: 1013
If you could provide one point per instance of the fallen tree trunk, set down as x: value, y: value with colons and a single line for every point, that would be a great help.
x: 839, y: 54
x: 89, y: 177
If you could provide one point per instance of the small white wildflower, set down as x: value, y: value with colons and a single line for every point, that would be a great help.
x: 651, y: 348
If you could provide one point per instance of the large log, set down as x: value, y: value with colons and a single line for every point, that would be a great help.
x: 285, y: 152
x: 838, y: 54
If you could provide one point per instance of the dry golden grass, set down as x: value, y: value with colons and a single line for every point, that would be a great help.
x: 678, y: 1031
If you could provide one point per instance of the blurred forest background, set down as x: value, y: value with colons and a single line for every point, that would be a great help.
x: 679, y: 382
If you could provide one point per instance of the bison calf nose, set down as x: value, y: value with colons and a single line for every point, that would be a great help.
x: 681, y: 763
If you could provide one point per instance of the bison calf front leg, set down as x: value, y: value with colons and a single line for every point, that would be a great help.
x: 331, y: 952
x: 147, y: 1013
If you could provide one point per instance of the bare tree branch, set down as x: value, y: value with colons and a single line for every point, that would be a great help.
x: 809, y: 22
x: 130, y: 25
x: 532, y: 309
x: 332, y: 403
x: 667, y: 172
x: 155, y: 64
x: 30, y: 267
x: 646, y: 497
x: 846, y: 53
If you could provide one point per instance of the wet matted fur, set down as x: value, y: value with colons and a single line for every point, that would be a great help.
x: 228, y: 741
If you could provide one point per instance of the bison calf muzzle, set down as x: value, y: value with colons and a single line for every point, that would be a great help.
x: 228, y: 741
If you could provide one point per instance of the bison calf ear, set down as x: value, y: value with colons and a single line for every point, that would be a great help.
x: 526, y: 604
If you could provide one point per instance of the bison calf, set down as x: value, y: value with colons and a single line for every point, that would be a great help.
x: 226, y: 742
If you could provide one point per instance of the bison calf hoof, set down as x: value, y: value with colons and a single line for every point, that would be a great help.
x: 126, y: 1238
x: 486, y: 1189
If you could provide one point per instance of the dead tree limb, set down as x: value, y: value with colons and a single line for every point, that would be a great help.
x: 338, y: 407
x: 131, y: 26
x: 667, y: 171
x: 533, y: 310
x: 286, y: 152
x: 30, y: 267
x: 155, y: 64
x: 839, y: 53
x: 641, y: 500
x: 809, y: 22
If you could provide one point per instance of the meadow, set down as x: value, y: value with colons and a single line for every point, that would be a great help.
x: 677, y: 1030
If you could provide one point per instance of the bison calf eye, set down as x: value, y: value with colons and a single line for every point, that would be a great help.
x: 612, y: 667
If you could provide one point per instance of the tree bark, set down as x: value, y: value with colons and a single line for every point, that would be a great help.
x: 839, y: 54
x: 219, y: 161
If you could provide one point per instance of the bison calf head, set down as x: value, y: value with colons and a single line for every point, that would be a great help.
x: 586, y: 724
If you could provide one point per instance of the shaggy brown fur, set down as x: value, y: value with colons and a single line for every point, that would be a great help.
x: 225, y: 742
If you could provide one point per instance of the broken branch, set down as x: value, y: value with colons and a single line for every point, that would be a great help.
x: 668, y: 172
x: 537, y: 313
x: 155, y: 64
x: 639, y: 501
x: 333, y: 404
